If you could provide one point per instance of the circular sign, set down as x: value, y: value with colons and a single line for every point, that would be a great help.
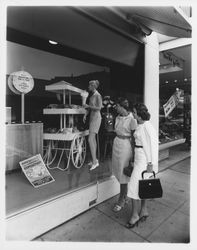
x: 10, y: 84
x: 21, y: 81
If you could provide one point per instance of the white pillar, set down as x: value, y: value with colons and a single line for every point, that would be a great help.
x: 151, y: 78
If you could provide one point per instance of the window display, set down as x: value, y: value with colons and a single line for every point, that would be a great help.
x: 53, y: 127
x: 171, y: 118
x: 187, y: 118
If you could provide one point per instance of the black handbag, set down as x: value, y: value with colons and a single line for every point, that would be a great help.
x: 128, y: 170
x: 150, y: 188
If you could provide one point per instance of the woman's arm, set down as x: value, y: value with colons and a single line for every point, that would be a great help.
x: 85, y: 115
x: 133, y: 124
x: 146, y: 144
x: 149, y: 149
x: 132, y: 146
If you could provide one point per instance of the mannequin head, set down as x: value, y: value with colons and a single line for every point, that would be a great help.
x: 93, y: 85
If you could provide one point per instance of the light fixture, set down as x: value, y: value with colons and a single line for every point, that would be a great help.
x: 173, y: 64
x: 185, y: 80
x: 166, y: 82
x: 175, y: 80
x: 167, y: 68
x: 52, y: 42
x: 140, y: 24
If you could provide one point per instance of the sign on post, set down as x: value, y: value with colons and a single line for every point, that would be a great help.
x: 21, y: 83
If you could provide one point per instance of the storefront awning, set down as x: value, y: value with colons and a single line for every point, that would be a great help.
x: 107, y: 32
x: 166, y: 20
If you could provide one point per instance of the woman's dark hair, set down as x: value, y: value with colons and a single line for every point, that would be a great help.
x: 142, y: 111
x: 123, y: 102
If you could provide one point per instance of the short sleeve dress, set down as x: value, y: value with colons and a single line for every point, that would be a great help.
x: 122, y: 151
x: 95, y: 115
x: 145, y: 136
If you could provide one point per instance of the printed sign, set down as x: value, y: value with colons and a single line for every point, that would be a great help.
x: 36, y: 171
x: 21, y: 81
x: 172, y: 102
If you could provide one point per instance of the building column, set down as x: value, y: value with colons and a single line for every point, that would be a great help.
x: 151, y: 78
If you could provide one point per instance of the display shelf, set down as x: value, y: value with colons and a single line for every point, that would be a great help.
x: 66, y: 146
x: 61, y: 86
x: 65, y: 111
x: 64, y: 137
x: 171, y: 143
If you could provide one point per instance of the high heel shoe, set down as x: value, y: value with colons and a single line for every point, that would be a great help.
x: 94, y: 165
x: 132, y: 225
x: 143, y: 218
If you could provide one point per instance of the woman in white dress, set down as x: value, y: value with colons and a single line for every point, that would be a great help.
x: 145, y: 158
x: 125, y: 124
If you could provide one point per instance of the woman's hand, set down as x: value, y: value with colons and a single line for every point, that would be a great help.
x: 149, y: 167
x: 86, y: 106
x: 84, y: 118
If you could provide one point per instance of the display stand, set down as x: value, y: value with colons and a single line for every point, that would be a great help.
x: 67, y: 144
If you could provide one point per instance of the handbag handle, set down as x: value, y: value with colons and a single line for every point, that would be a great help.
x: 145, y: 171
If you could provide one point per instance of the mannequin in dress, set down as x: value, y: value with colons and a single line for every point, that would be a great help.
x: 94, y: 107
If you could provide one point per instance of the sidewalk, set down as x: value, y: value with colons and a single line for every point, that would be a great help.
x: 169, y: 216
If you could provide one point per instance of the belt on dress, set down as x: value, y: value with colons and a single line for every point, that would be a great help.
x: 123, y: 137
x: 138, y: 146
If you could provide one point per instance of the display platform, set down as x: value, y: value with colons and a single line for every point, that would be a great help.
x: 24, y: 196
x: 164, y: 148
x: 22, y: 141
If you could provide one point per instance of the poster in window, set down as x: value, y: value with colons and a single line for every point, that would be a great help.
x: 36, y: 171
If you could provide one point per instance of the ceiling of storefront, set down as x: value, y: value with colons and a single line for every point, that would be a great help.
x: 69, y: 27
x: 183, y: 54
x: 106, y: 31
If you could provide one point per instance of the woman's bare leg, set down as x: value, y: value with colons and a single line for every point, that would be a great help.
x: 144, y: 210
x: 134, y: 213
x: 92, y: 144
x: 123, y: 194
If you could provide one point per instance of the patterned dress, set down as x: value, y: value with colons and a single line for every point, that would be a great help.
x: 95, y: 115
x: 122, y: 151
x: 145, y: 136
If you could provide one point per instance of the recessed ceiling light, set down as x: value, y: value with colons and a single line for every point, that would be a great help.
x: 52, y: 42
x: 175, y: 80
x: 168, y: 68
x: 166, y: 81
x: 185, y: 79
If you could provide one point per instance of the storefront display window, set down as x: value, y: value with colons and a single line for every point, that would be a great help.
x: 52, y: 122
x: 175, y: 96
x: 171, y: 117
x: 53, y: 127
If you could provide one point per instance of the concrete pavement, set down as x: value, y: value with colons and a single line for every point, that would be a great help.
x: 169, y: 219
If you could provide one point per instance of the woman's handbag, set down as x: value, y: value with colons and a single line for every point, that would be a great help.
x: 150, y: 188
x: 128, y: 170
